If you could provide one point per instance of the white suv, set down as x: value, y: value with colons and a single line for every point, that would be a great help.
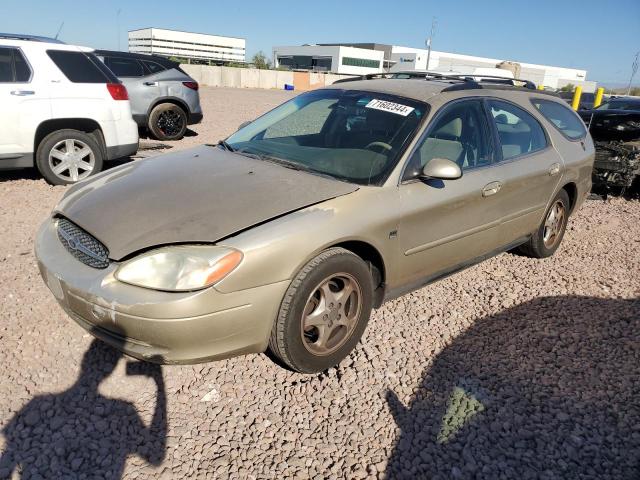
x: 62, y: 109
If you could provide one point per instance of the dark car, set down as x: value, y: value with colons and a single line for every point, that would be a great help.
x: 616, y: 119
x: 586, y: 99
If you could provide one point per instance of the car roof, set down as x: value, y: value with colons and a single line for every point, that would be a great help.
x: 31, y: 38
x: 422, y: 88
x: 140, y: 56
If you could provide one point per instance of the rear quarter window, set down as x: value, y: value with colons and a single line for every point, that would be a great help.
x: 563, y: 118
x: 81, y: 67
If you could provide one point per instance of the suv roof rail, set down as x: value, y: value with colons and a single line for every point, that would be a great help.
x: 465, y: 81
x: 31, y: 38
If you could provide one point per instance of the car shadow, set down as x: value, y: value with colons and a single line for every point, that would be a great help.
x: 547, y: 389
x: 80, y: 433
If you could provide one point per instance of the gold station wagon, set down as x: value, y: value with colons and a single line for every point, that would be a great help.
x: 286, y: 235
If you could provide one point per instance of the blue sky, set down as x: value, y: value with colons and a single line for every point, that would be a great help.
x: 601, y: 36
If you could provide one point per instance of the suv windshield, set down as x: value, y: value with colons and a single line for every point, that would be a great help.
x: 620, y: 105
x: 350, y: 135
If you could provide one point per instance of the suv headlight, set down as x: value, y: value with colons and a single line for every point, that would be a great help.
x: 180, y: 268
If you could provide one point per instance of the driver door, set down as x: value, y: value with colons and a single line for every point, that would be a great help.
x: 448, y: 223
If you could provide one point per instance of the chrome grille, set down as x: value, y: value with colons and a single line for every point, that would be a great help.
x: 82, y: 245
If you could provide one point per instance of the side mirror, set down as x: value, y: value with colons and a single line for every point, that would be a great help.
x: 244, y: 124
x: 441, y: 169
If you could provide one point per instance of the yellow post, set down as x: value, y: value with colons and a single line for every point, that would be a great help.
x: 598, y: 100
x: 541, y: 87
x: 577, y: 93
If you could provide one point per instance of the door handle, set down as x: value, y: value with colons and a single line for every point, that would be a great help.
x: 554, y: 169
x: 151, y: 84
x: 22, y: 93
x: 491, y: 189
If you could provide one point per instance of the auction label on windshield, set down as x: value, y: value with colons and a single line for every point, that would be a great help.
x: 391, y: 107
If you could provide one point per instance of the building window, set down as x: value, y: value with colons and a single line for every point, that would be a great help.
x: 360, y: 62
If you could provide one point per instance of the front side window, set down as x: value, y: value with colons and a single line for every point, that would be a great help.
x: 519, y: 132
x: 13, y: 66
x: 81, y: 67
x: 563, y: 118
x: 459, y: 134
x: 124, y: 67
x: 349, y: 135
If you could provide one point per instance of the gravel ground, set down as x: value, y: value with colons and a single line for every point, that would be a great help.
x: 515, y: 368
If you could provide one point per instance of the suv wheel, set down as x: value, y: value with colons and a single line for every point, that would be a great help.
x: 546, y: 240
x: 168, y: 122
x: 324, y: 312
x: 68, y: 156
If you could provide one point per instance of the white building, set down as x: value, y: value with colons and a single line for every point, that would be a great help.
x: 378, y: 58
x: 198, y: 47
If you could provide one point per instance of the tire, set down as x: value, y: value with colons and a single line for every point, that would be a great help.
x: 537, y: 246
x: 52, y: 151
x: 168, y: 122
x: 307, y: 350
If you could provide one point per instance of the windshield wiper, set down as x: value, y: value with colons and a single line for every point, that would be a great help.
x: 226, y: 146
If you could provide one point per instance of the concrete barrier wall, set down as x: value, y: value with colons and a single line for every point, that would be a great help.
x: 254, y: 78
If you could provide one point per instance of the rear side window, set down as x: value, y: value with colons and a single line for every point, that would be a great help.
x: 80, y: 67
x: 153, y: 67
x: 124, y: 67
x: 519, y: 132
x: 13, y: 66
x: 562, y: 118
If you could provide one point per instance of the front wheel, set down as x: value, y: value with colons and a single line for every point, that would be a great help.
x: 324, y: 312
x: 546, y: 239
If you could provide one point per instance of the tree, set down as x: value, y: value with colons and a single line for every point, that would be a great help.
x: 569, y: 87
x: 261, y: 61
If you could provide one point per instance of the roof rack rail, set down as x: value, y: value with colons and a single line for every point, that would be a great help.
x: 466, y: 80
x: 31, y: 38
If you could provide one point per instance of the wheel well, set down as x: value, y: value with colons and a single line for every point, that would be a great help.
x: 572, y: 191
x: 370, y: 255
x: 85, y: 125
x: 174, y: 101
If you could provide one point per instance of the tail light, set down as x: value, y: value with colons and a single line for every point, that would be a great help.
x: 191, y: 85
x: 118, y: 91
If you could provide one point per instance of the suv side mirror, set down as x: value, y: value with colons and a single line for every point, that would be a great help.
x: 244, y: 124
x: 441, y: 169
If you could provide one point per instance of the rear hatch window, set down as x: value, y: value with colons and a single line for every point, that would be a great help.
x: 81, y: 67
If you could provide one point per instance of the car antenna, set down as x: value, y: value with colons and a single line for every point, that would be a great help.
x: 59, y: 30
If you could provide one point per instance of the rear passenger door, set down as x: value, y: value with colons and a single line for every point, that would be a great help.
x: 529, y: 168
x: 448, y: 223
x: 142, y: 87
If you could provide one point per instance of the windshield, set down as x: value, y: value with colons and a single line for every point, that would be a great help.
x: 349, y: 135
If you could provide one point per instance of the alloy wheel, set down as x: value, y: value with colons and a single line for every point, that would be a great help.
x: 170, y: 123
x: 554, y: 224
x: 71, y: 160
x: 331, y: 314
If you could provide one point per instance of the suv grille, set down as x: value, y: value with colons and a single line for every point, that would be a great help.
x: 82, y: 245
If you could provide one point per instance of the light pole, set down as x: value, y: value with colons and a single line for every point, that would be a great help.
x: 634, y: 69
x: 430, y: 40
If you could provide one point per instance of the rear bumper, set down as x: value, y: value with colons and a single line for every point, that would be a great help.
x: 161, y: 327
x: 119, y: 151
x: 194, y: 118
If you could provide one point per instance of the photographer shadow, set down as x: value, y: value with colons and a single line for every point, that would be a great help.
x: 546, y: 389
x: 82, y: 433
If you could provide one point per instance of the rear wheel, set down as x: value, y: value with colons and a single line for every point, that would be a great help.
x: 68, y: 156
x: 546, y: 240
x: 324, y: 312
x: 168, y: 122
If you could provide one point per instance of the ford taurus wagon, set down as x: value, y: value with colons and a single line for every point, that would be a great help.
x: 287, y: 234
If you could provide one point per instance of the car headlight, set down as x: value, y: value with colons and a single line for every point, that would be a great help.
x: 180, y: 268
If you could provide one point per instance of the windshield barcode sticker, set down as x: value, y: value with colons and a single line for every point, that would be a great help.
x: 390, y: 107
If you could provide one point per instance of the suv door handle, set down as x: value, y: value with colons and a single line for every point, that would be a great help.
x: 491, y: 189
x: 151, y: 84
x: 554, y: 169
x: 22, y: 93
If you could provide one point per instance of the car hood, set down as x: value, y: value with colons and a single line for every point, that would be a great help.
x: 200, y: 195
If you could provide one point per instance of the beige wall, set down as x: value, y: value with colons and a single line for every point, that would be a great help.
x: 253, y: 78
